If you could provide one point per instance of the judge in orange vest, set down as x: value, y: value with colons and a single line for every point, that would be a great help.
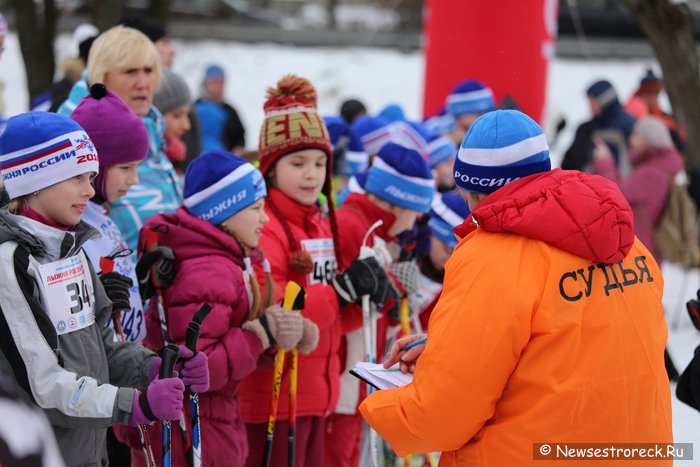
x: 550, y: 327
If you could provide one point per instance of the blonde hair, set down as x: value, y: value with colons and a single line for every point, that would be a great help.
x: 118, y: 48
x: 257, y: 305
x: 16, y: 204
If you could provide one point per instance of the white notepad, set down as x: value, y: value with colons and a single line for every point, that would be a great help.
x: 380, y: 377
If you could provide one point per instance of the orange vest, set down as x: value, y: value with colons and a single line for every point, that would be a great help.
x: 531, y: 344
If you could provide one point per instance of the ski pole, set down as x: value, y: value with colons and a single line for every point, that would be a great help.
x: 151, y: 240
x: 169, y: 358
x: 293, y: 300
x: 107, y: 266
x: 191, y: 338
x: 369, y: 334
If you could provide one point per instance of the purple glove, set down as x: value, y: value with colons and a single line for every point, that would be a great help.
x: 194, y: 370
x: 162, y: 400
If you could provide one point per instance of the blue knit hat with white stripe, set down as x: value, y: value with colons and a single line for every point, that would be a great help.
x: 401, y: 177
x: 500, y: 147
x: 373, y: 132
x: 441, y: 149
x: 412, y: 135
x: 218, y: 184
x: 447, y: 212
x: 40, y: 149
x: 440, y: 124
x: 470, y: 97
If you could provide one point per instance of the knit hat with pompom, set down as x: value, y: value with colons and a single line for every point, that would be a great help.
x: 292, y: 123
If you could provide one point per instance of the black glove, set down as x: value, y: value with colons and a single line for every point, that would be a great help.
x: 363, y: 277
x: 163, y: 260
x: 117, y: 288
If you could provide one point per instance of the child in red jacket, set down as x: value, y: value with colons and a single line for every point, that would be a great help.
x: 398, y: 189
x: 295, y: 159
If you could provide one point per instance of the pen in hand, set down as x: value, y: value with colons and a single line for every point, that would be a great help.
x: 414, y: 343
x: 405, y: 356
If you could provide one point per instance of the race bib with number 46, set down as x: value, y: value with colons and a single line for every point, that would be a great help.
x: 323, y: 255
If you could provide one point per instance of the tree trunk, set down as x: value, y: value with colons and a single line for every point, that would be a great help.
x: 36, y: 27
x: 106, y: 14
x: 330, y: 12
x: 159, y: 10
x: 410, y: 15
x: 668, y: 26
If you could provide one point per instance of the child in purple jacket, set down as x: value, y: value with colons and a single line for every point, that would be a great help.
x: 214, y: 236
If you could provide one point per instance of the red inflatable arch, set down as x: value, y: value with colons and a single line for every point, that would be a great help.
x: 507, y: 44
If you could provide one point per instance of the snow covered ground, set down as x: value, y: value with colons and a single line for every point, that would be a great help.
x: 379, y: 77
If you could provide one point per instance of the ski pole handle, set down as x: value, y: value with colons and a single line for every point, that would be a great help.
x: 169, y: 358
x: 192, y: 336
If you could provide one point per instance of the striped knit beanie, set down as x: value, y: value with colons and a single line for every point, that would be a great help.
x: 447, y: 212
x: 292, y: 122
x: 441, y: 149
x: 218, y: 184
x: 401, y: 177
x: 40, y: 149
x: 470, y: 97
x: 500, y: 147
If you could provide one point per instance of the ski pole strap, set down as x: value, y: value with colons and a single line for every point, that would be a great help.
x: 266, y: 326
x: 201, y: 314
x: 146, y: 407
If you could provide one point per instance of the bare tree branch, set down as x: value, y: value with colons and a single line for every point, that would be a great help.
x: 668, y: 26
x: 36, y: 27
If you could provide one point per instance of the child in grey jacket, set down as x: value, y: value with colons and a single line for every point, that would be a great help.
x: 53, y: 308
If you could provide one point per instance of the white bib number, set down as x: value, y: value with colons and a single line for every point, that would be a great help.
x: 68, y: 293
x: 323, y: 255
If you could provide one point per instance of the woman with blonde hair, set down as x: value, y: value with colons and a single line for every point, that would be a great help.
x: 128, y: 64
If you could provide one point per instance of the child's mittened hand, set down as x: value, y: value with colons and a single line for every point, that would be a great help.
x: 363, y: 277
x: 162, y: 400
x: 117, y: 289
x: 195, y: 370
x: 277, y: 327
x: 164, y: 397
x: 309, y: 340
x: 285, y: 326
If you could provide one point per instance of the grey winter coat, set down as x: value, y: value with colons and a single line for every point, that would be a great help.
x: 82, y: 379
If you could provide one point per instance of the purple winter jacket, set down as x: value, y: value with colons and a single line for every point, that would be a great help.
x: 646, y: 188
x: 209, y: 269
